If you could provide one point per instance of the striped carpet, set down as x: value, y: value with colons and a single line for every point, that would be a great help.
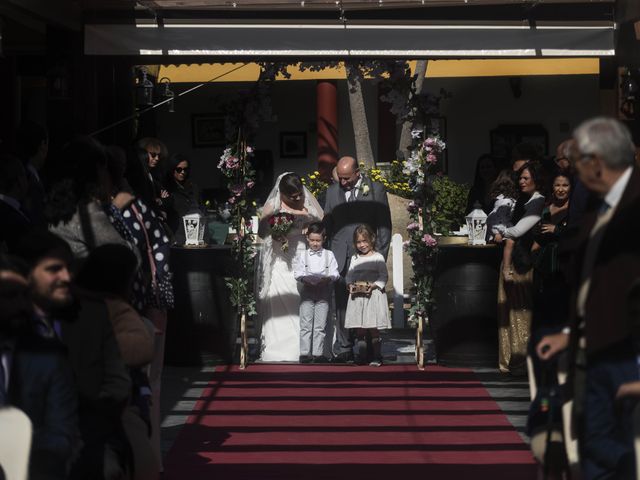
x: 341, y: 422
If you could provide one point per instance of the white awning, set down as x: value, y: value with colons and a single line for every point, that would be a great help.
x: 335, y: 40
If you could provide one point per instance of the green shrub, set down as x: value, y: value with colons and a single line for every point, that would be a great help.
x: 449, y: 204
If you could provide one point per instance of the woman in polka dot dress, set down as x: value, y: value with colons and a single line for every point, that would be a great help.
x: 140, y: 225
x: 138, y: 221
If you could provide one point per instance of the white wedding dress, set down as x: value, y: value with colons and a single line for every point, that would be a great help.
x: 279, y: 298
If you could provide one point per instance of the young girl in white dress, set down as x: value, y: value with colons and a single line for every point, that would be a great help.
x: 367, y: 308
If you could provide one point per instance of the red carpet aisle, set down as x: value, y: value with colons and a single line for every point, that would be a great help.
x: 334, y: 422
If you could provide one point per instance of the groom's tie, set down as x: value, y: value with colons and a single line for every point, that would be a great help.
x: 352, y: 195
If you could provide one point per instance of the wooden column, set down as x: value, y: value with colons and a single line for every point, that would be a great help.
x: 327, y: 120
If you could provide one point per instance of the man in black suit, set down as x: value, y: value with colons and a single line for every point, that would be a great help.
x: 13, y: 189
x: 352, y: 201
x: 603, y: 352
x: 82, y: 326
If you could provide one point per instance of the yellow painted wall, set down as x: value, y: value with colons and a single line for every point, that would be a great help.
x: 237, y: 72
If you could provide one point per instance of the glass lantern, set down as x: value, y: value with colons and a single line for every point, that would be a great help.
x: 193, y: 229
x: 477, y: 226
x: 144, y: 90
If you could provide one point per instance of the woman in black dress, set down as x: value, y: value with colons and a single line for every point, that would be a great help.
x: 486, y: 173
x: 184, y: 194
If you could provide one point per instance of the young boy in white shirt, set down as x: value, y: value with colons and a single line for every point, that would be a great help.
x: 316, y: 268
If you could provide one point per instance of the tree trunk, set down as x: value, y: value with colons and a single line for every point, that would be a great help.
x: 407, y: 126
x: 364, y: 152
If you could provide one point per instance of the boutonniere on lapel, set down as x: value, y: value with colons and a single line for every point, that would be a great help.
x: 365, y: 189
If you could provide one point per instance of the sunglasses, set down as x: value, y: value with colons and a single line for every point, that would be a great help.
x: 182, y: 170
x: 154, y: 154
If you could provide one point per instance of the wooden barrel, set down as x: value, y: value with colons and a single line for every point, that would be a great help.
x: 203, y: 320
x: 464, y: 319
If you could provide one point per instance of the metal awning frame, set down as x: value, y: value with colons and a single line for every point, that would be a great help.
x: 439, y: 39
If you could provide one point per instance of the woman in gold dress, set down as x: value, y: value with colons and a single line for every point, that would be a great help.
x: 515, y: 285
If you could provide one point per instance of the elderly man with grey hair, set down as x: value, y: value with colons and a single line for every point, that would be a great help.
x: 603, y: 349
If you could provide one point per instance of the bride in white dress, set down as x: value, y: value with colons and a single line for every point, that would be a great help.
x: 279, y: 298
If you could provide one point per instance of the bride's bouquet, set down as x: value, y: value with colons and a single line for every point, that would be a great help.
x: 281, y: 224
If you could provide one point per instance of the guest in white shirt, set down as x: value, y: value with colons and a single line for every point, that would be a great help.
x: 316, y: 268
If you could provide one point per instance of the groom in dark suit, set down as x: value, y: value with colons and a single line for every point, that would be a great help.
x: 353, y: 200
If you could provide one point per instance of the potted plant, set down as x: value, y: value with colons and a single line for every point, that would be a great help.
x: 449, y: 204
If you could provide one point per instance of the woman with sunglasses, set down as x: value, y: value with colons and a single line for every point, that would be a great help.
x: 184, y: 194
x: 155, y: 158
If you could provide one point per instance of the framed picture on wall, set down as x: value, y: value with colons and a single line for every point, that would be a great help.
x: 293, y: 144
x: 505, y: 137
x: 437, y: 125
x: 207, y: 130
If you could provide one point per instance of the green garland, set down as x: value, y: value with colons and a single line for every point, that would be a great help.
x: 421, y: 246
x: 240, y: 178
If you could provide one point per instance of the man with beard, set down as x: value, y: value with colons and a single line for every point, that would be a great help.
x: 82, y: 325
x: 36, y: 378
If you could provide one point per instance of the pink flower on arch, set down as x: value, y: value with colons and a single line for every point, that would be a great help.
x: 236, y: 189
x: 250, y: 184
x: 413, y: 226
x: 412, y: 207
x: 429, y: 240
x: 233, y: 163
x: 431, y: 158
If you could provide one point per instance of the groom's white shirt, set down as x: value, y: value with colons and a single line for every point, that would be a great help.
x: 354, y: 190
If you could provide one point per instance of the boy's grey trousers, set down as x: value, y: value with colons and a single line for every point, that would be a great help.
x: 314, y: 310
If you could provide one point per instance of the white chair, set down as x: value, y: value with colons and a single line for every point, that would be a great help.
x: 397, y: 280
x: 538, y: 443
x: 636, y: 431
x: 15, y: 443
x: 570, y: 438
x: 533, y: 386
